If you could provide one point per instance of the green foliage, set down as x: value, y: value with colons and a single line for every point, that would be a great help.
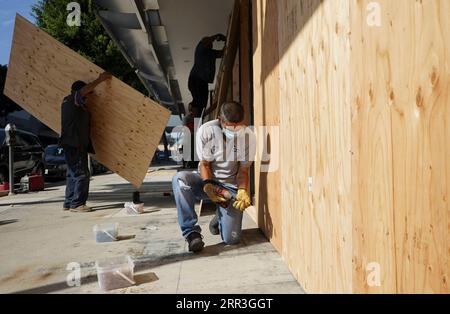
x: 89, y: 40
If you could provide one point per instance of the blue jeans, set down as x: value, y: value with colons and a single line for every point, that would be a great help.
x: 77, y: 182
x: 187, y: 189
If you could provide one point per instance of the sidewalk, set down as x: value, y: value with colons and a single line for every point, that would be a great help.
x: 38, y: 240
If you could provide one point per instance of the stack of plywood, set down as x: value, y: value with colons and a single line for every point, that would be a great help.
x: 126, y: 125
x: 361, y: 92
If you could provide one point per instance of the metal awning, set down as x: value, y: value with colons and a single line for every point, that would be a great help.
x: 158, y: 38
x: 135, y: 27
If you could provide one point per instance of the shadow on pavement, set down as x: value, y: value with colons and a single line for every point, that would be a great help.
x: 8, y: 222
x: 249, y: 237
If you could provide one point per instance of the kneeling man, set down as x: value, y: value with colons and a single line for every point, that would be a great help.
x: 226, y: 149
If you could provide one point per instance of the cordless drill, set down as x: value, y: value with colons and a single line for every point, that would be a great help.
x: 222, y: 192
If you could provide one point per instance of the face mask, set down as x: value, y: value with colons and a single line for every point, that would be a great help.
x: 231, y: 135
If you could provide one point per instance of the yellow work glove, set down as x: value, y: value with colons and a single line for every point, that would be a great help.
x: 209, y: 190
x: 243, y: 200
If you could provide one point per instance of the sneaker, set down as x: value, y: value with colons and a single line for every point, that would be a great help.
x: 214, y: 225
x: 195, y: 241
x: 81, y: 209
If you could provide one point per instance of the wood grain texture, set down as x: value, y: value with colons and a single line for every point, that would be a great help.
x: 266, y: 96
x: 364, y: 117
x: 225, y: 73
x: 401, y: 111
x: 372, y: 181
x: 316, y: 142
x: 421, y: 141
x: 126, y: 125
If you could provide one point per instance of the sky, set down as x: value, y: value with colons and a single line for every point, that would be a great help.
x: 8, y: 10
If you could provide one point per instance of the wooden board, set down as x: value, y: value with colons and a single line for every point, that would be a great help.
x: 364, y: 114
x: 315, y: 121
x: 266, y: 98
x: 406, y: 61
x: 225, y: 72
x: 245, y: 56
x: 126, y: 125
x: 372, y: 186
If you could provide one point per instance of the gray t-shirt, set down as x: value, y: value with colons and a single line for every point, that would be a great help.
x: 226, y: 155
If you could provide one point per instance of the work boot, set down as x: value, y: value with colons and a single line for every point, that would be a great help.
x: 81, y: 209
x: 214, y: 224
x: 195, y: 242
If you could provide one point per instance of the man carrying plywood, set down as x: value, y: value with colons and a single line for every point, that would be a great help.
x: 77, y: 144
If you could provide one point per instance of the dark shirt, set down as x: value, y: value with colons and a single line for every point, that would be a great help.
x: 205, y: 63
x: 75, y: 125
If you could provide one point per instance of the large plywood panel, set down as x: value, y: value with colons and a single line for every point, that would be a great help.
x: 126, y: 125
x: 314, y: 52
x: 267, y: 114
x: 421, y: 141
x: 372, y: 186
x: 402, y: 142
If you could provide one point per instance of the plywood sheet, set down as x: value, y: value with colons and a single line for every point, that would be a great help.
x: 421, y: 141
x: 372, y: 186
x: 402, y: 141
x: 266, y: 103
x: 315, y: 120
x: 126, y: 125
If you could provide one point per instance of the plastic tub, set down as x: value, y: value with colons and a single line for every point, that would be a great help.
x: 134, y: 209
x: 115, y: 273
x: 106, y: 232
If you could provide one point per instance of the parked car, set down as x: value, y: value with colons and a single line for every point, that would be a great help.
x: 28, y: 156
x: 160, y: 156
x: 55, y: 163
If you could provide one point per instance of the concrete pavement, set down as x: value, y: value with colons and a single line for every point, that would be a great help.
x: 38, y: 241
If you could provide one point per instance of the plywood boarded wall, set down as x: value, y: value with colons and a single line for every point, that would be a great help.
x: 364, y: 115
x: 267, y: 113
x: 401, y: 136
x: 315, y: 137
x: 126, y: 125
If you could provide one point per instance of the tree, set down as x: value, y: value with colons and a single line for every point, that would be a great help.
x: 89, y: 40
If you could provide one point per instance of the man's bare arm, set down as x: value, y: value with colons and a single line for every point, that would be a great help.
x: 89, y: 88
x: 243, y: 178
x: 205, y: 170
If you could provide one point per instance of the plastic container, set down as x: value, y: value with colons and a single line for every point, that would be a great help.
x: 106, y: 232
x: 134, y: 209
x: 115, y: 273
